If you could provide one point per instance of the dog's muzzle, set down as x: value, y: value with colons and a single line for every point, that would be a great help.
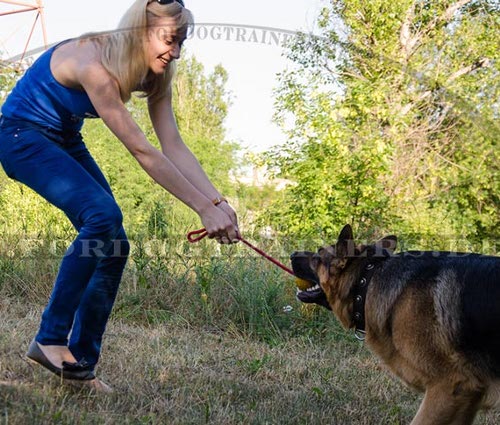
x: 310, y: 290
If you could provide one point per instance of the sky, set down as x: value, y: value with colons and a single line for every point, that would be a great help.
x: 246, y: 38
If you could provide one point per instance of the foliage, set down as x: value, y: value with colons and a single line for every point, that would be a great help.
x: 206, y: 95
x: 9, y: 73
x: 391, y: 115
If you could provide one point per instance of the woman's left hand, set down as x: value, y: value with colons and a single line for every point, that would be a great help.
x: 224, y: 206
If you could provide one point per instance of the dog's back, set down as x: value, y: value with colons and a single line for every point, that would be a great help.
x: 480, y: 320
x: 466, y: 293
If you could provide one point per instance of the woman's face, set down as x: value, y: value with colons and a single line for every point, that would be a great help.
x: 163, y: 44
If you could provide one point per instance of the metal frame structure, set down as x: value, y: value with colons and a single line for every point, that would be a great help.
x: 23, y: 6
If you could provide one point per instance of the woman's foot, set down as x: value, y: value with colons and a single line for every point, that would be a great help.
x: 57, y: 354
x: 73, y: 370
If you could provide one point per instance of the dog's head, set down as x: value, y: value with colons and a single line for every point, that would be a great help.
x: 321, y: 272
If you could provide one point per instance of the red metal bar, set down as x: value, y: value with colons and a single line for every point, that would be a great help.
x: 42, y: 22
x: 18, y: 3
x: 29, y: 37
x: 29, y: 8
x: 11, y: 12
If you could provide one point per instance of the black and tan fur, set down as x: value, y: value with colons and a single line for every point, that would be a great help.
x: 433, y: 318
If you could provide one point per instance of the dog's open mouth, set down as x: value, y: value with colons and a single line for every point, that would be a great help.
x: 304, y: 285
x: 313, y: 295
x: 308, y: 287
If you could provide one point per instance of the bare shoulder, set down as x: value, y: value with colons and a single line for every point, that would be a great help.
x: 77, y: 63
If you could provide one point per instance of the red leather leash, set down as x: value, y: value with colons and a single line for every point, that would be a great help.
x: 198, y: 235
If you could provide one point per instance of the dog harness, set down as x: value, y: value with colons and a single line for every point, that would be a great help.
x: 38, y: 97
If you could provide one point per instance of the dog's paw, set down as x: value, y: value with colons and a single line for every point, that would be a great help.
x: 313, y: 295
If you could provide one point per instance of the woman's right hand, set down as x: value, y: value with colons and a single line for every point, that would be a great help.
x: 219, y: 225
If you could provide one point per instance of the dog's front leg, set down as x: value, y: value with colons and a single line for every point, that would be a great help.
x: 448, y: 404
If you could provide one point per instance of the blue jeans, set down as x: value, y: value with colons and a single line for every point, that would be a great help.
x: 59, y: 167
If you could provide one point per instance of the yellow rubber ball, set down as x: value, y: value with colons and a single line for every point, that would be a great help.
x: 302, y: 284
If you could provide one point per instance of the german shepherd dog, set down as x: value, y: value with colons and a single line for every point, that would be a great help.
x: 433, y: 318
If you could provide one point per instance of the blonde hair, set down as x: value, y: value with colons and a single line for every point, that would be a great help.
x: 123, y: 53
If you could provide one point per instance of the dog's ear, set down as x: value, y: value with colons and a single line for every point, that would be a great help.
x: 346, y: 233
x: 345, y: 243
x: 388, y: 244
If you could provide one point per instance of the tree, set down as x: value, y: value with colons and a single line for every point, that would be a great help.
x: 393, y: 121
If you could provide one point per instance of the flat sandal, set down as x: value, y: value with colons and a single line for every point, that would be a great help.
x: 79, y: 371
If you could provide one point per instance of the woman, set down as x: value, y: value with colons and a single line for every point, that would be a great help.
x: 41, y: 146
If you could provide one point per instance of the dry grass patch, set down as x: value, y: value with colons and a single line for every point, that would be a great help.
x: 180, y: 374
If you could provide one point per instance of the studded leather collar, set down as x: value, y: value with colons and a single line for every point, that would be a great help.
x: 359, y: 295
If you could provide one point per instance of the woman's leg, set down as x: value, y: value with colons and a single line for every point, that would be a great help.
x: 33, y: 159
x: 97, y: 302
x: 99, y: 296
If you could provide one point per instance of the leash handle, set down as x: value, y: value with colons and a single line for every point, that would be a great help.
x: 198, y: 235
x: 192, y: 238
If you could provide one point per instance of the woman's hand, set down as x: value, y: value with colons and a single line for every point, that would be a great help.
x: 221, y: 225
x: 224, y: 206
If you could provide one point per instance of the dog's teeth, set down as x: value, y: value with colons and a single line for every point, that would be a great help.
x: 313, y: 288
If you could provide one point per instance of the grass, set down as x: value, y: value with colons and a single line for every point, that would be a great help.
x: 198, y: 339
x: 179, y: 374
